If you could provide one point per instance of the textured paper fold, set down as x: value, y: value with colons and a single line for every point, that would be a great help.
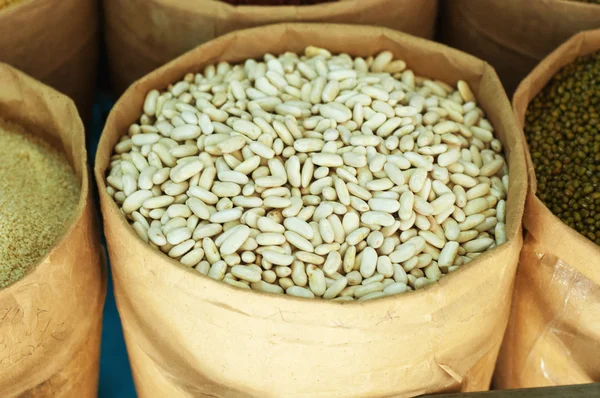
x: 51, y: 319
x: 553, y: 336
x: 55, y: 42
x: 188, y: 335
x: 142, y: 35
x: 514, y: 35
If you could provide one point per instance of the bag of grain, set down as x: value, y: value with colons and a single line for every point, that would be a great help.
x: 142, y: 35
x: 52, y: 279
x: 54, y: 42
x: 553, y: 337
x: 514, y: 35
x: 188, y: 334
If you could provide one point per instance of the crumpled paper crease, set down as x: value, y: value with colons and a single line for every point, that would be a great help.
x: 55, y: 42
x: 553, y: 335
x: 50, y: 320
x: 142, y: 35
x: 514, y: 35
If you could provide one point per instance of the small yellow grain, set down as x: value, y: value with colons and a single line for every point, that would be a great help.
x: 39, y: 192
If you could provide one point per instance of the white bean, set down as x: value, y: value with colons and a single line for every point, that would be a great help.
x: 331, y: 176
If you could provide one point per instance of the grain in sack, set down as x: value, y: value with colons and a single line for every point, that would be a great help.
x: 330, y: 190
x: 51, y: 270
x: 284, y: 167
x: 553, y: 337
x: 38, y: 198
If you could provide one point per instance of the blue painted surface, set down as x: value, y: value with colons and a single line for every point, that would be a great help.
x: 115, y: 373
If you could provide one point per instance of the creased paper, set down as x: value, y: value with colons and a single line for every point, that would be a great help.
x: 188, y: 335
x: 514, y: 35
x: 51, y: 319
x: 553, y: 337
x: 142, y: 35
x: 56, y: 42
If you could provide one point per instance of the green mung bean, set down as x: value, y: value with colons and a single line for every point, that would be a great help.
x: 562, y: 129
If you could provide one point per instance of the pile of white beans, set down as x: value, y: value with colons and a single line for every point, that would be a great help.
x: 317, y: 175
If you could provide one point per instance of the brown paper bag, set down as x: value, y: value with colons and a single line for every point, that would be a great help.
x: 553, y: 336
x: 50, y: 321
x: 514, y: 35
x: 54, y: 41
x: 188, y: 335
x: 142, y: 35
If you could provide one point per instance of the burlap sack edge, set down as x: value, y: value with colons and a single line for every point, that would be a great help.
x: 106, y: 145
x: 570, y: 245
